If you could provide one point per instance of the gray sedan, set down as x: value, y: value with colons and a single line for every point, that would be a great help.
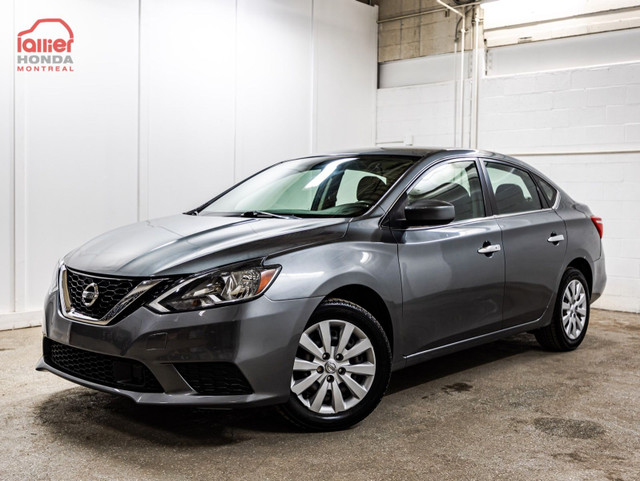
x: 308, y: 283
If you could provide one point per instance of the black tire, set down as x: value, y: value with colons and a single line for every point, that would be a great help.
x: 554, y: 337
x: 341, y: 310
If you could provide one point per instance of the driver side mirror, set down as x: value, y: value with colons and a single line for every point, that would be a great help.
x: 424, y: 212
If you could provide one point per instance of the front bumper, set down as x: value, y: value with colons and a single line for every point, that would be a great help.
x: 259, y: 337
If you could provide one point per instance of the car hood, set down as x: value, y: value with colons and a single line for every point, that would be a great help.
x: 185, y: 244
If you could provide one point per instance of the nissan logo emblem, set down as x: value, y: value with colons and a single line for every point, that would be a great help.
x: 90, y: 294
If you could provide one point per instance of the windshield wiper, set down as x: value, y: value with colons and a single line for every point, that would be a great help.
x: 262, y: 213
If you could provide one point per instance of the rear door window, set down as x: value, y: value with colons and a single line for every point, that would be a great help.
x: 513, y: 189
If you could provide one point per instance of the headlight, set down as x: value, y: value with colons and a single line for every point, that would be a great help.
x: 216, y: 287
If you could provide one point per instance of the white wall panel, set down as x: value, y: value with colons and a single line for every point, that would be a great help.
x: 510, y: 12
x: 513, y: 23
x: 573, y: 52
x: 169, y: 103
x: 422, y: 70
x: 76, y: 139
x: 187, y: 105
x: 346, y: 74
x: 6, y: 156
x: 273, y: 82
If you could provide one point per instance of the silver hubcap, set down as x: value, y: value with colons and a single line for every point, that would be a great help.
x: 574, y: 309
x: 334, y: 367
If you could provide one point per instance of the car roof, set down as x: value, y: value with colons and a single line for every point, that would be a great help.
x: 418, y: 152
x: 424, y: 152
x: 395, y: 151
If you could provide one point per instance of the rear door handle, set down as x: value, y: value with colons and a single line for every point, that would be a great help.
x: 489, y: 249
x: 555, y: 238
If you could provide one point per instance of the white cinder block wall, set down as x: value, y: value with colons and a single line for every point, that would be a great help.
x: 580, y: 126
x: 586, y: 109
x: 424, y: 113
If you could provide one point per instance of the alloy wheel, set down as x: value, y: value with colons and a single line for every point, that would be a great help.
x: 334, y: 368
x: 574, y: 309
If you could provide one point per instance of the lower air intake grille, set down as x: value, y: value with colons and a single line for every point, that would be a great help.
x: 99, y: 368
x: 214, y: 378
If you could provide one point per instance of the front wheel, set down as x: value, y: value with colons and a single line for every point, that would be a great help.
x: 341, y: 369
x: 571, y: 315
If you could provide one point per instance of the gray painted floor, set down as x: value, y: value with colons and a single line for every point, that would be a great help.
x: 503, y: 411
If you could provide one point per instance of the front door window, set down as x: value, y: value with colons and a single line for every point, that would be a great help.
x: 455, y: 182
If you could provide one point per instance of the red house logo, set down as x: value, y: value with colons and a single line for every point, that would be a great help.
x: 38, y: 52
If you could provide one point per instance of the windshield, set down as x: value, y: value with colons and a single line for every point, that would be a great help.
x: 317, y: 187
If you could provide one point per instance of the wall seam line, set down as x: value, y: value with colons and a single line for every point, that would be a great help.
x: 139, y: 143
x: 314, y: 80
x: 20, y: 194
x: 12, y: 176
x: 235, y: 96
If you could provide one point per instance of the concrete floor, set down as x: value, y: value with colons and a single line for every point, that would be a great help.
x: 507, y: 410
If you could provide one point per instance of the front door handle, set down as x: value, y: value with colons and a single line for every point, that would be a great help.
x: 489, y: 249
x: 555, y: 238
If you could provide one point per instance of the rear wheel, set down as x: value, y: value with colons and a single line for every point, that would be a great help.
x: 341, y: 369
x: 571, y: 315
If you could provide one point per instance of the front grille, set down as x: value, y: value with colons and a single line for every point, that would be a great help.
x: 214, y: 378
x: 110, y: 292
x: 106, y: 370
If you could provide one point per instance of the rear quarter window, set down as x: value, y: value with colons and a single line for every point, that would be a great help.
x: 548, y: 191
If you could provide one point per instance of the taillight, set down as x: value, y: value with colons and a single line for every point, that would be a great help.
x: 597, y: 221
